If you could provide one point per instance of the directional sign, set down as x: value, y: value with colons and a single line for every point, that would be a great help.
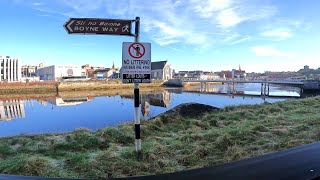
x: 136, y: 62
x: 99, y: 26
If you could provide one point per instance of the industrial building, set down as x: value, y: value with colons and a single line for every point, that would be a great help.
x: 10, y: 69
x: 57, y: 72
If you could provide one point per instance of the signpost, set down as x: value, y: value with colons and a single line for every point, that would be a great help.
x: 136, y: 62
x: 136, y: 57
x: 99, y: 26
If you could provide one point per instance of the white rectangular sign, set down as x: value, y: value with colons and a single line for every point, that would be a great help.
x: 136, y: 62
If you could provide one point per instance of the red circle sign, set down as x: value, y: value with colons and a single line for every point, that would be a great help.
x: 138, y: 49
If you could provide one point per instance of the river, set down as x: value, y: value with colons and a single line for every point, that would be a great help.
x: 65, y: 114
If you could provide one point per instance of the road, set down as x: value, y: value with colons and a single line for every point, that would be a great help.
x: 296, y: 163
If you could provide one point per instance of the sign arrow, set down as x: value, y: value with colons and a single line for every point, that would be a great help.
x: 69, y: 26
x: 99, y: 26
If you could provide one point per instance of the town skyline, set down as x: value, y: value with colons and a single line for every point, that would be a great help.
x: 220, y: 34
x: 239, y: 67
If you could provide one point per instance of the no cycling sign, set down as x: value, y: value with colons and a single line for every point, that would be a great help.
x: 136, y: 62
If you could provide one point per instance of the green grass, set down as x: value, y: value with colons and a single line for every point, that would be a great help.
x: 169, y: 143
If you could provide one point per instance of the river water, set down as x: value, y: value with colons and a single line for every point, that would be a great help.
x: 65, y: 114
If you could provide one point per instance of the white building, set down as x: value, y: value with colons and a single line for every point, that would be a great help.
x: 29, y: 70
x: 11, y: 109
x: 196, y: 75
x: 56, y: 72
x: 161, y: 70
x: 206, y: 76
x: 10, y: 69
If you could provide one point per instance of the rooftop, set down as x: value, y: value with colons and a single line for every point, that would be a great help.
x: 158, y: 65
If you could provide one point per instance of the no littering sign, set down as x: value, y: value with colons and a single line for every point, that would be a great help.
x: 136, y: 62
x: 136, y: 50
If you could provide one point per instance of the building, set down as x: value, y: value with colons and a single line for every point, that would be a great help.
x: 238, y: 74
x: 87, y: 70
x: 29, y: 73
x: 10, y: 69
x: 56, y: 72
x: 11, y: 109
x: 107, y: 73
x: 196, y: 75
x: 100, y: 72
x: 225, y: 74
x: 234, y: 74
x: 29, y: 70
x: 206, y: 76
x: 306, y: 68
x: 161, y: 70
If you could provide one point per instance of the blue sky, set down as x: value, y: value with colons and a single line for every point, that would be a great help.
x: 210, y: 35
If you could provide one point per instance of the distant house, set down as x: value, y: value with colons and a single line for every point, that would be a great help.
x: 208, y: 76
x: 161, y: 70
x: 101, y: 73
x: 105, y: 73
x: 196, y: 75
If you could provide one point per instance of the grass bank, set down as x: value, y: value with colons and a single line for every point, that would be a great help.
x: 55, y: 87
x: 170, y: 142
x: 75, y: 94
x: 103, y: 85
x: 28, y: 88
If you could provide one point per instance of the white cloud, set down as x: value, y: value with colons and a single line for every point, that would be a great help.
x: 168, y: 30
x: 37, y: 4
x: 230, y: 13
x: 236, y: 38
x: 280, y: 33
x: 282, y: 29
x: 228, y: 18
x: 197, y: 23
x: 207, y: 8
x: 269, y: 51
x: 243, y: 39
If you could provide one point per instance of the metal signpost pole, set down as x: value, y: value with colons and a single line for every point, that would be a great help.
x: 100, y: 26
x: 137, y: 97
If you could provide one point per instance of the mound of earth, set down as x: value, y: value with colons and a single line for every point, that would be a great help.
x: 189, y: 110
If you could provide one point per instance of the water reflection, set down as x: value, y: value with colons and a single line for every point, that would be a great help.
x: 66, y: 112
x: 158, y: 99
x: 58, y: 101
x: 11, y: 109
x: 246, y: 90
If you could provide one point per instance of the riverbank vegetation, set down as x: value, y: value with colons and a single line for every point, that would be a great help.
x: 57, y: 87
x: 77, y: 94
x: 28, y: 88
x: 171, y: 142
